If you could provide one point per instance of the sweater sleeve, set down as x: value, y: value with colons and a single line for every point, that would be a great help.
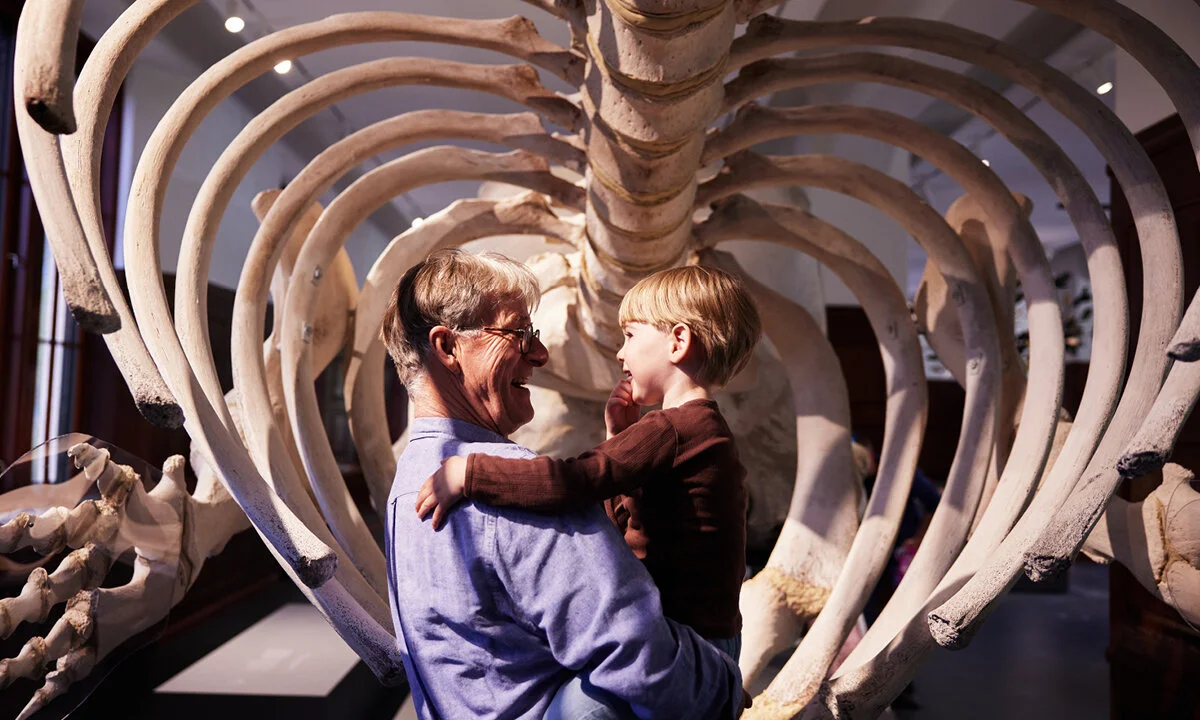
x: 627, y: 461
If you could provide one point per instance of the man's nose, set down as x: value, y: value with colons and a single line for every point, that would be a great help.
x: 538, y: 355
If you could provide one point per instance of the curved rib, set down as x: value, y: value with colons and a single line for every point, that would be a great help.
x: 1150, y: 207
x: 1104, y: 374
x: 1151, y: 446
x: 363, y: 197
x: 518, y: 83
x: 260, y: 396
x: 1180, y: 78
x: 90, y: 301
x: 1185, y: 344
x: 461, y: 222
x: 95, y: 93
x: 280, y: 427
x: 45, y: 87
x: 1013, y: 235
x: 515, y: 36
x: 984, y: 239
x: 162, y: 151
x: 1173, y: 68
x: 97, y: 89
x: 776, y: 608
x: 866, y: 684
x: 799, y: 679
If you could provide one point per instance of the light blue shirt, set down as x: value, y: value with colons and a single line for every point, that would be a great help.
x: 498, y: 608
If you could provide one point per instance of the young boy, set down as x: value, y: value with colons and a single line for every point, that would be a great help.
x: 671, y: 480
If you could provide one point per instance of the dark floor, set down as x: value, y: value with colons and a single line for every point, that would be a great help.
x: 1039, y: 657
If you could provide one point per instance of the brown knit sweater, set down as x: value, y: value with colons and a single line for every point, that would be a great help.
x: 672, y: 483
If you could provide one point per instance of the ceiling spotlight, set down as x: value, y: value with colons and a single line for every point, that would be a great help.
x: 1104, y: 89
x: 986, y: 163
x: 235, y: 24
x: 284, y: 67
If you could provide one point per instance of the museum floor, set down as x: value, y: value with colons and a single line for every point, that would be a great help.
x: 1040, y: 656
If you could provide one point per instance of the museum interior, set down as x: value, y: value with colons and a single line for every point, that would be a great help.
x: 971, y: 229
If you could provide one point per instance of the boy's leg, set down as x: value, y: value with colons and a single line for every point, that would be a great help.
x: 578, y: 700
x: 730, y: 646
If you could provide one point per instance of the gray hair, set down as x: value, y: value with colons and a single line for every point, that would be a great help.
x: 453, y: 289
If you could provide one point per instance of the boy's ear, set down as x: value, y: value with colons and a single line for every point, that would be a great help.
x: 681, y: 342
x: 443, y: 348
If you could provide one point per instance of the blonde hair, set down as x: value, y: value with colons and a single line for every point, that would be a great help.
x: 454, y: 289
x: 712, y: 303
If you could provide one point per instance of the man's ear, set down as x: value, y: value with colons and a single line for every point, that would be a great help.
x: 443, y: 348
x: 681, y: 342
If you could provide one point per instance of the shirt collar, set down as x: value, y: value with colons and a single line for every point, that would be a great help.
x: 443, y: 427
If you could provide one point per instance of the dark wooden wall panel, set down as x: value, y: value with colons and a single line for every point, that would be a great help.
x: 1154, y: 655
x: 857, y: 350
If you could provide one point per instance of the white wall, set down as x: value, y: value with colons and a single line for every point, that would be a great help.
x: 1140, y: 102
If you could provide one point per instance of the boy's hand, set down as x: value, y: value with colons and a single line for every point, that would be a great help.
x: 621, y: 411
x: 442, y: 490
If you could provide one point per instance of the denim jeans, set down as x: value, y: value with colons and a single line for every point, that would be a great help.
x: 730, y: 646
x: 579, y: 700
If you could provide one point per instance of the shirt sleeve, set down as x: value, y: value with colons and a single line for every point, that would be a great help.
x: 544, y: 484
x: 606, y: 623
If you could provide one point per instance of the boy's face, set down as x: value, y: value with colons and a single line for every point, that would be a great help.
x: 646, y: 359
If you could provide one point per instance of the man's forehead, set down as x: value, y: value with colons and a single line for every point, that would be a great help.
x: 514, y: 311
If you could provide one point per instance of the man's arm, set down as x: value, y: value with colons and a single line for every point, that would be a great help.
x: 575, y: 579
x: 626, y: 461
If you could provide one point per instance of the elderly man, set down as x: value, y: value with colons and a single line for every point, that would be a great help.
x: 501, y: 613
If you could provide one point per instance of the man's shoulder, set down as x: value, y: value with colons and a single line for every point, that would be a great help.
x: 425, y: 453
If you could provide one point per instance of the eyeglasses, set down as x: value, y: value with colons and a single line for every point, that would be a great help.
x: 525, y: 336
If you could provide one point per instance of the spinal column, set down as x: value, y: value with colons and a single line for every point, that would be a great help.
x: 653, y: 85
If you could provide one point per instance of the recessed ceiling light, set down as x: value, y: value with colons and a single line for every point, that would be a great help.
x: 986, y: 163
x: 235, y: 24
x: 284, y: 67
x: 1104, y: 89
